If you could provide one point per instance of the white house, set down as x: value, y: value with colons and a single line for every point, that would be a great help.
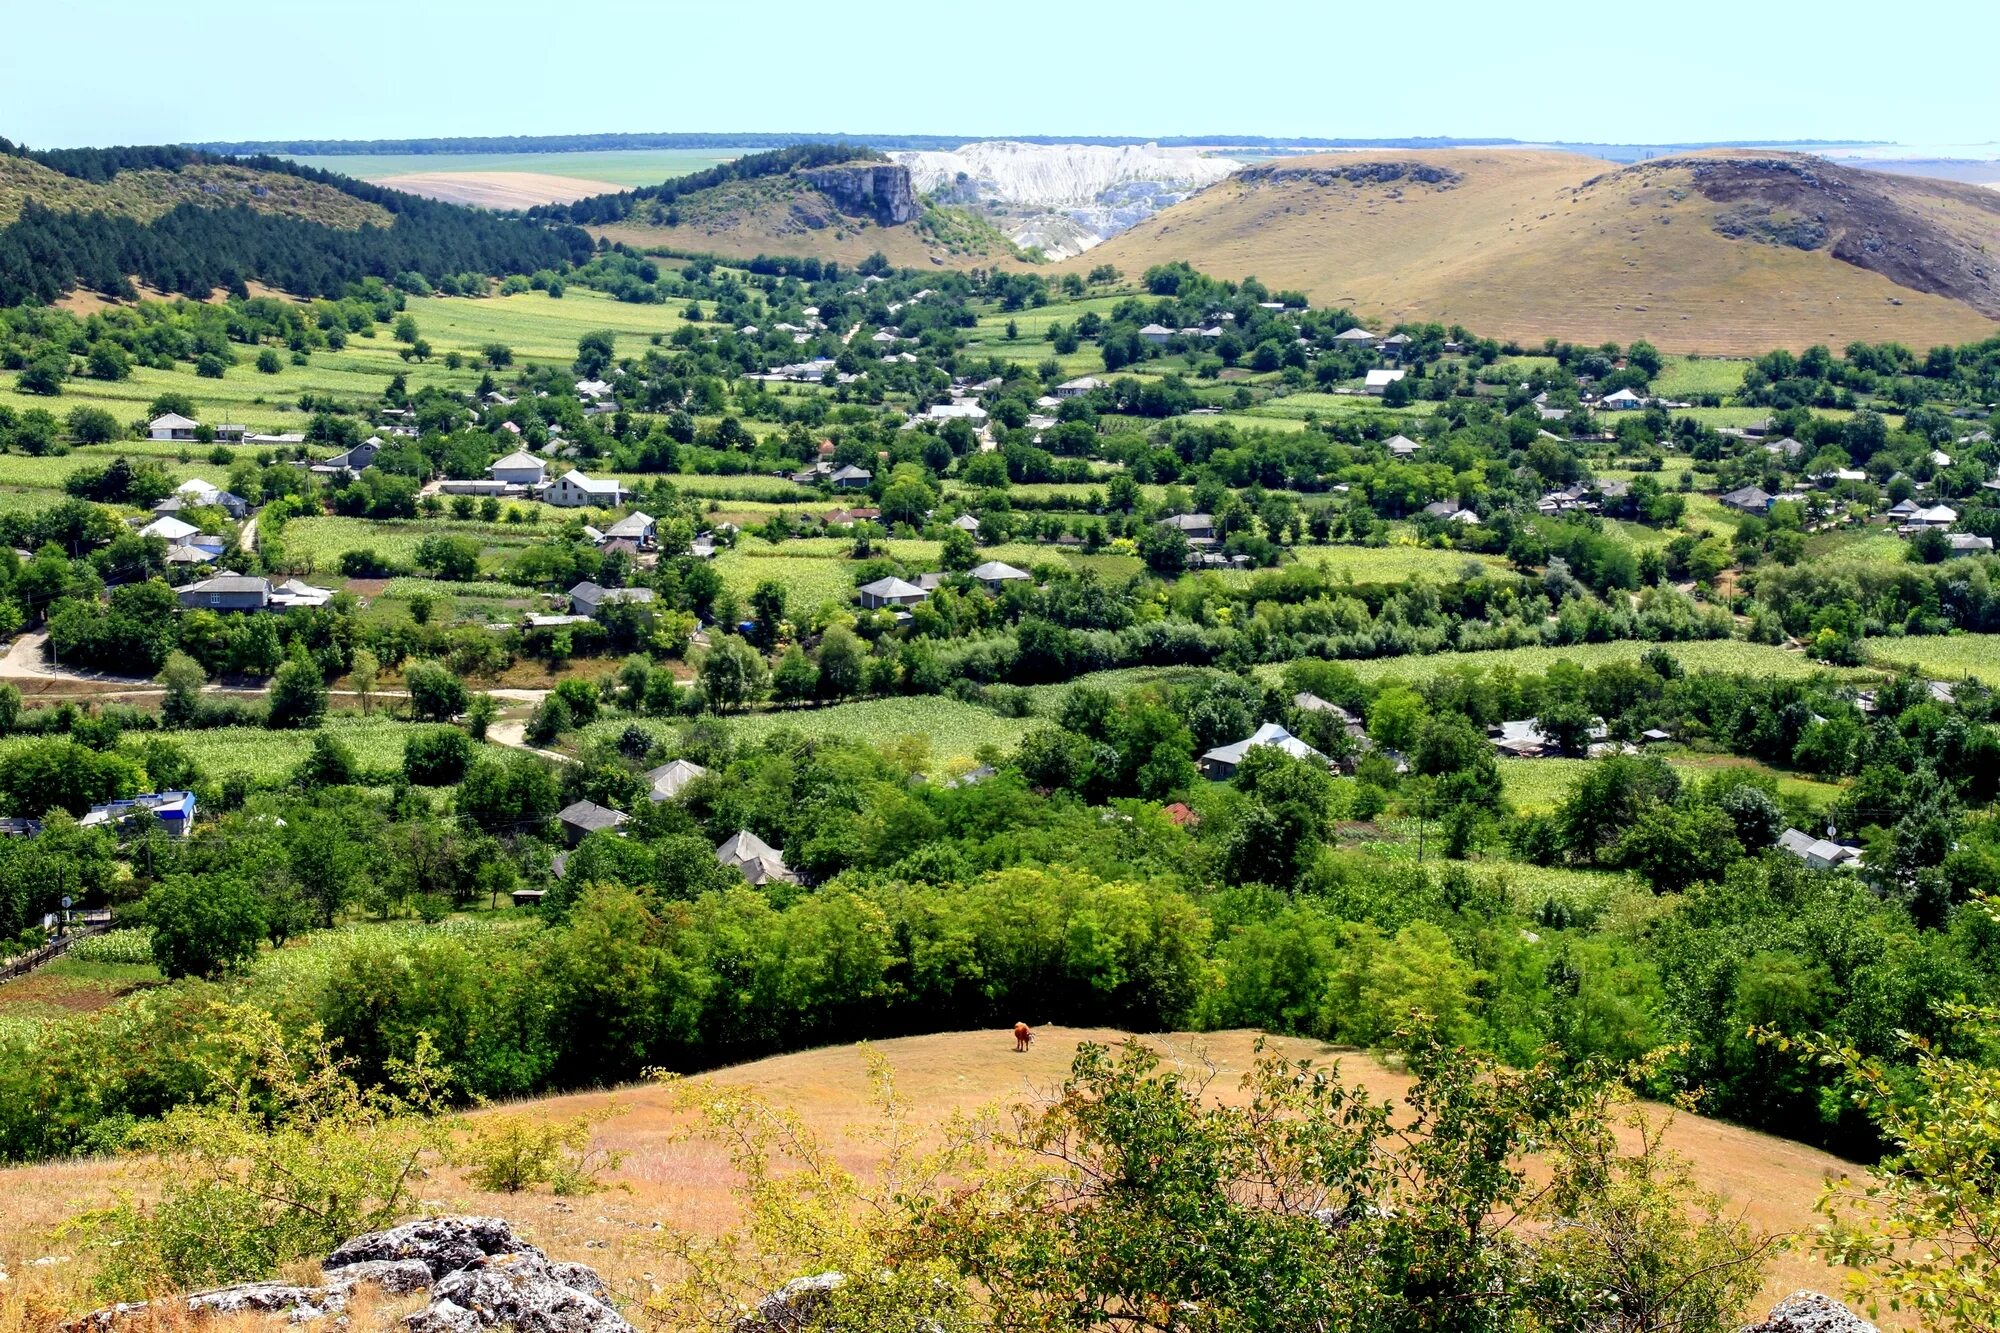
x: 169, y: 529
x: 1222, y: 761
x: 1622, y: 401
x: 994, y: 573
x: 573, y: 490
x: 1378, y: 381
x: 1156, y: 334
x: 1077, y: 388
x: 519, y: 468
x: 172, y: 426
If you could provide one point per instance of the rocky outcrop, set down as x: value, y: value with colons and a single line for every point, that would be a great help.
x: 442, y: 1244
x: 479, y: 1275
x: 524, y: 1292
x: 1810, y: 1312
x: 866, y: 189
x: 1354, y: 173
x: 792, y: 1306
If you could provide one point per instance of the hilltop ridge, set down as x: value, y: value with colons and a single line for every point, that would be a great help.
x: 1719, y: 252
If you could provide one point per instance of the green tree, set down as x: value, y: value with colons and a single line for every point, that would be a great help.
x: 436, y: 756
x: 202, y: 927
x: 842, y: 657
x: 436, y: 695
x: 298, y: 694
x: 183, y: 679
x: 732, y: 673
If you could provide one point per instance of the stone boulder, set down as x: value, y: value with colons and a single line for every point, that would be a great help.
x: 442, y: 1244
x: 524, y: 1292
x: 792, y: 1306
x: 1811, y: 1312
x: 395, y: 1276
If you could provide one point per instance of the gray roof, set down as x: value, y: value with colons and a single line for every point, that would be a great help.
x: 995, y: 571
x: 669, y: 779
x: 590, y: 815
x: 891, y: 586
x: 634, y: 524
x: 746, y: 846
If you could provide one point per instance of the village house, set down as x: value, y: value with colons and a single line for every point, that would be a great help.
x: 582, y: 818
x: 1221, y: 762
x: 573, y: 490
x: 519, y: 468
x: 586, y: 598
x: 669, y: 780
x: 1964, y: 543
x: 172, y: 426
x: 636, y: 527
x: 1748, y: 500
x: 890, y: 592
x: 358, y: 459
x: 1159, y: 335
x: 1378, y: 381
x: 755, y: 859
x: 173, y: 809
x: 1622, y: 401
x: 1401, y: 446
x: 1819, y: 853
x: 1194, y: 527
x: 852, y: 478
x: 966, y: 523
x: 1354, y: 337
x: 994, y: 574
x: 1077, y: 388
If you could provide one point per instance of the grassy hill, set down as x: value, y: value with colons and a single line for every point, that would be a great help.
x: 1712, y: 253
x: 147, y: 194
x: 686, y: 1184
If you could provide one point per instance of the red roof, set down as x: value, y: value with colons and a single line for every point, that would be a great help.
x: 1179, y: 813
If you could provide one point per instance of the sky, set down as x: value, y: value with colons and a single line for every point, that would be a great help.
x: 85, y: 72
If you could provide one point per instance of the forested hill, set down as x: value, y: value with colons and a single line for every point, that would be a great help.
x: 602, y: 208
x: 185, y: 221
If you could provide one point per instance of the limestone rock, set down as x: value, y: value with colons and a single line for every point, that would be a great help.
x: 261, y: 1298
x: 793, y: 1305
x: 443, y: 1244
x: 1811, y: 1312
x: 524, y: 1292
x: 395, y: 1276
x: 881, y: 192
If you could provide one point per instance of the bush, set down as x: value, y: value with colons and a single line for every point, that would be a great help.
x: 203, y: 927
x: 436, y: 756
x: 511, y: 1153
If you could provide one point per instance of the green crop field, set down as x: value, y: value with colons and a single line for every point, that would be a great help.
x: 1298, y: 406
x: 1536, y: 786
x: 1382, y: 564
x: 1731, y: 655
x: 1687, y: 377
x: 267, y: 756
x: 636, y: 166
x: 748, y: 486
x: 1949, y: 656
x: 321, y: 541
x: 954, y: 731
x: 539, y: 327
x: 816, y: 570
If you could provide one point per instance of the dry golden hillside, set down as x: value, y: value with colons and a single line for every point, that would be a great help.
x: 146, y: 195
x: 668, y: 1181
x: 1722, y: 253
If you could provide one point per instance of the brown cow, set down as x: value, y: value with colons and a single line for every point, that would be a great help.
x: 1022, y: 1036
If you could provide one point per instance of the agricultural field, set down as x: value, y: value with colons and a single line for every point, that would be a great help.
x: 1381, y: 564
x: 1299, y: 406
x: 816, y: 570
x: 954, y: 732
x: 320, y: 542
x: 1537, y: 786
x: 1947, y: 657
x: 1729, y: 655
x: 617, y: 168
x: 1688, y: 377
x: 537, y: 326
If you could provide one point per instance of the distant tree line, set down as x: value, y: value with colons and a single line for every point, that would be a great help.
x: 579, y: 143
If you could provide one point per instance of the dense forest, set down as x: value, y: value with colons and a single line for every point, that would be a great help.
x: 611, y: 207
x: 193, y: 250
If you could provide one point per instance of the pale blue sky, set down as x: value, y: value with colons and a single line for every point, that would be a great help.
x: 154, y: 71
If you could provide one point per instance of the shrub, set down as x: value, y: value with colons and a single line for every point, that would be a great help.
x: 511, y: 1153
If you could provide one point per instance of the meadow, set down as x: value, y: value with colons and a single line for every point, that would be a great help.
x: 537, y: 326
